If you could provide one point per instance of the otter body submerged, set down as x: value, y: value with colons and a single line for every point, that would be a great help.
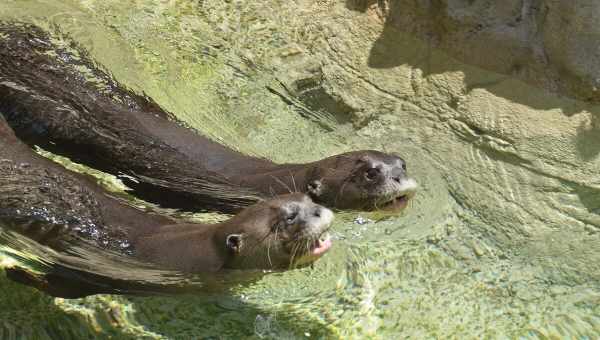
x: 48, y: 101
x: 56, y: 207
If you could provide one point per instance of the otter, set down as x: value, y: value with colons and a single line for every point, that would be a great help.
x: 87, y: 116
x: 56, y: 207
x: 283, y: 232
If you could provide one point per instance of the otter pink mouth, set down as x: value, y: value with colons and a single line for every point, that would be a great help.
x: 397, y: 203
x: 320, y: 247
x: 317, y: 249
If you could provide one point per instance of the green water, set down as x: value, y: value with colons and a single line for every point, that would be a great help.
x: 442, y: 269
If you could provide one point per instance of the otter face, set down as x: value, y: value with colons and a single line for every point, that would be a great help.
x: 287, y: 231
x: 362, y: 180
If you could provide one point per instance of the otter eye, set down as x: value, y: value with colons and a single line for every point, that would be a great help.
x: 404, y: 166
x: 291, y: 218
x: 371, y: 173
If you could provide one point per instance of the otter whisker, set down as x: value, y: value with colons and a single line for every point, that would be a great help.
x: 295, y: 248
x: 269, y: 247
x: 366, y: 204
x: 273, y: 194
x: 342, y: 156
x: 341, y: 191
x: 282, y: 183
x: 269, y: 253
x: 254, y: 247
x: 294, y: 252
x: 307, y: 245
x: 293, y: 182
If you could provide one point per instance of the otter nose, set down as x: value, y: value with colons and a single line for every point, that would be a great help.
x: 397, y: 176
x: 323, y: 216
x: 398, y: 171
x: 391, y: 168
x: 317, y: 211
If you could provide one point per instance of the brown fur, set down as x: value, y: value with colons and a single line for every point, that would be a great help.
x: 48, y: 101
x: 266, y: 241
x: 48, y: 203
x: 58, y: 208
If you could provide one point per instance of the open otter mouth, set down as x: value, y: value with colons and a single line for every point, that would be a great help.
x: 316, y: 249
x: 396, y: 203
x: 321, y: 245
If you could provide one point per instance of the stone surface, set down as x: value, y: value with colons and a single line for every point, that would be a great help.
x: 553, y: 44
x: 525, y: 162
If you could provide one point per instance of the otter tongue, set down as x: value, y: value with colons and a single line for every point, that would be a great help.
x: 320, y: 247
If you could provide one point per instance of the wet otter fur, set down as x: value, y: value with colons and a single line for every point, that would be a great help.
x: 44, y: 201
x: 92, y: 119
x: 280, y: 233
x: 58, y: 208
x: 47, y: 203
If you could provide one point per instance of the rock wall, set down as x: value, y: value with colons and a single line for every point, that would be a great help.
x: 552, y: 44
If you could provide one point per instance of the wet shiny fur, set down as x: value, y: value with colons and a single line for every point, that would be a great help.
x: 92, y: 119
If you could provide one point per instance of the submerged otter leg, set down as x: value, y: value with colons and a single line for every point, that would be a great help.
x: 55, y: 285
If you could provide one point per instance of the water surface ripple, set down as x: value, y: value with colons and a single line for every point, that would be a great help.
x: 498, y: 243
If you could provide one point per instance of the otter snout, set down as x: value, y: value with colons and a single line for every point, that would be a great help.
x: 314, y: 232
x: 389, y: 171
x: 407, y: 186
x: 318, y: 221
x: 386, y: 178
x: 361, y: 180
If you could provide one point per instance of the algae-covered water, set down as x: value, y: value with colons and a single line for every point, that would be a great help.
x: 500, y: 242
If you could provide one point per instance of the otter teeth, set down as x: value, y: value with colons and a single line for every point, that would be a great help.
x: 396, y: 198
x: 323, y: 237
x: 321, y: 244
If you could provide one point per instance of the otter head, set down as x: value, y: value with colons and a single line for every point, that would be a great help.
x: 361, y: 180
x: 287, y: 231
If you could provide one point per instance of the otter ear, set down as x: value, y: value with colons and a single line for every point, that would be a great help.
x: 234, y: 242
x: 315, y: 187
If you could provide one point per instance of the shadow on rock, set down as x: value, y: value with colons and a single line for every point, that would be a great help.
x: 588, y: 139
x: 363, y: 5
x: 501, y: 39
